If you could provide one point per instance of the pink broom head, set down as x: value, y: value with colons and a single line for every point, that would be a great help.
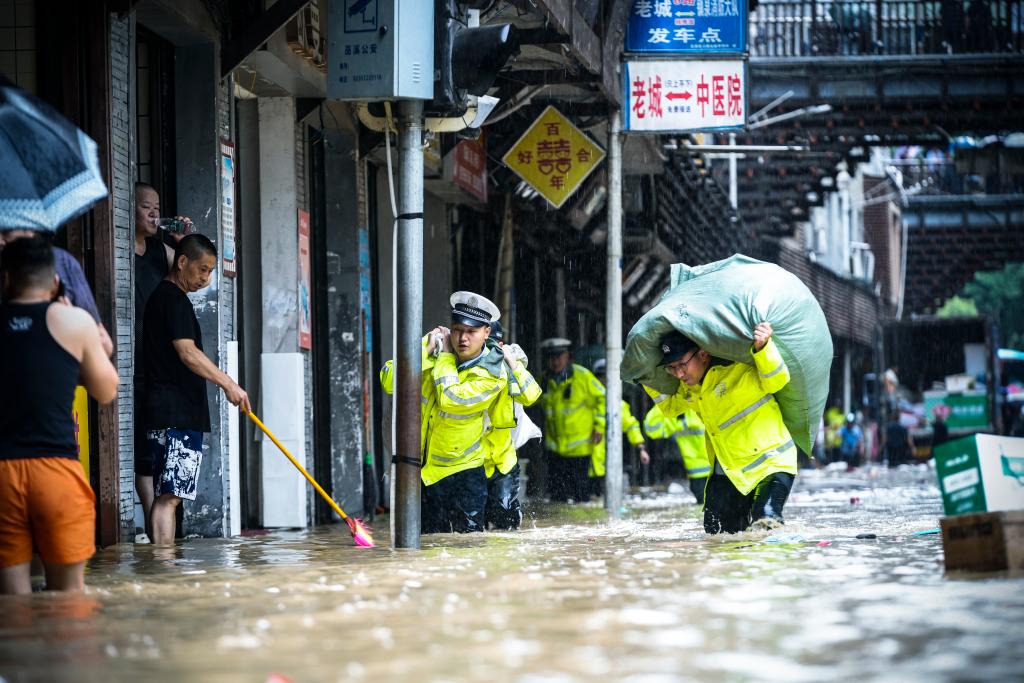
x: 360, y: 534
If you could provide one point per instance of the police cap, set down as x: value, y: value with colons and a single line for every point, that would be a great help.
x: 473, y: 310
x: 674, y: 346
x: 554, y: 346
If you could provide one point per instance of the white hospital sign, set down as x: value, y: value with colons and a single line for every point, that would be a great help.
x: 685, y: 96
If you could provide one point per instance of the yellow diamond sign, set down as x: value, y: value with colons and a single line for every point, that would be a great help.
x: 554, y: 157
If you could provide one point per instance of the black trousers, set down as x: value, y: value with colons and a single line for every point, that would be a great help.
x: 728, y: 511
x: 567, y: 478
x: 697, y: 488
x: 503, y: 510
x: 456, y: 503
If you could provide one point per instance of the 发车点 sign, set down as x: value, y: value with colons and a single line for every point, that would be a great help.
x: 687, y: 26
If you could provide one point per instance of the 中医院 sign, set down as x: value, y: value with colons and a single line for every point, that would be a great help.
x: 685, y: 95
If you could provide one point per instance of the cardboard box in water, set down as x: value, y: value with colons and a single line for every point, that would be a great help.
x: 981, y: 473
x: 984, y: 542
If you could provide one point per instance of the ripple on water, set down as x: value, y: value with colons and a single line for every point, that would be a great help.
x: 649, y: 598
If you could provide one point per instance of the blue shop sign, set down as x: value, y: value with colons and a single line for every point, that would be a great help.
x: 687, y: 26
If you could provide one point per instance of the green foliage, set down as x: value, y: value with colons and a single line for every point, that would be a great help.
x: 1000, y: 295
x: 957, y: 307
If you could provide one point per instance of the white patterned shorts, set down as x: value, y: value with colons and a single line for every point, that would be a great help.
x: 177, y: 455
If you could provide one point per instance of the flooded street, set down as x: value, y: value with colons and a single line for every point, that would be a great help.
x: 568, y: 598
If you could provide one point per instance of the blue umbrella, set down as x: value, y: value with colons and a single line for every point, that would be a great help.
x: 49, y: 169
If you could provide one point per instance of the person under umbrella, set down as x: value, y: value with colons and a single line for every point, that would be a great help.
x: 51, y: 170
x: 50, y: 175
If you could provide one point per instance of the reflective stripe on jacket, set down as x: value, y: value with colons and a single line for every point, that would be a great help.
x: 501, y: 453
x: 630, y: 429
x: 688, y: 433
x: 455, y: 404
x: 573, y: 411
x: 742, y: 420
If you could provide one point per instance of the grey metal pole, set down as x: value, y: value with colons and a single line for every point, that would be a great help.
x: 561, y: 303
x: 733, y: 192
x: 613, y: 322
x: 408, y: 323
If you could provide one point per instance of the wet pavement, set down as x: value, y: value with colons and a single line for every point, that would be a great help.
x: 570, y: 597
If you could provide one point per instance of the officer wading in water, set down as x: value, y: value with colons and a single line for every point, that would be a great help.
x: 630, y: 430
x: 750, y: 450
x: 687, y: 432
x: 501, y: 464
x: 466, y: 388
x: 573, y: 421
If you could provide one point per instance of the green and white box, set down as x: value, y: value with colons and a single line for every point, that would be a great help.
x: 981, y: 473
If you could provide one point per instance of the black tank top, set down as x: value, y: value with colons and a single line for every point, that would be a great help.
x: 37, y: 387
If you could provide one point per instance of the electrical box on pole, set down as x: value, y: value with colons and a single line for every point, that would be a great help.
x: 380, y: 50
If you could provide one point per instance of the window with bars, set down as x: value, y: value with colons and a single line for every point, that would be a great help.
x: 18, y: 42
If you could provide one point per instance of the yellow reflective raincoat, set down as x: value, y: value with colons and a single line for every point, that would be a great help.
x: 573, y: 411
x: 501, y: 452
x: 630, y: 429
x: 688, y: 433
x: 745, y: 433
x: 457, y: 398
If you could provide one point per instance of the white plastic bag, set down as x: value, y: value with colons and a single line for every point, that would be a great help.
x: 525, y: 429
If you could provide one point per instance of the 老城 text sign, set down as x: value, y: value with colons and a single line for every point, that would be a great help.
x: 685, y: 96
x: 687, y: 26
x: 554, y: 156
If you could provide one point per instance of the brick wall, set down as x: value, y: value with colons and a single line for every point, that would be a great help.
x: 882, y: 230
x: 122, y: 40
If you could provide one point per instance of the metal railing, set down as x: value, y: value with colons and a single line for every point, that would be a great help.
x: 946, y: 177
x: 812, y: 28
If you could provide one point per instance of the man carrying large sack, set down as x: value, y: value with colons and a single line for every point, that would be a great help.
x: 750, y: 449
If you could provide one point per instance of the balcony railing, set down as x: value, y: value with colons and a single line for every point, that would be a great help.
x: 947, y: 177
x: 813, y: 28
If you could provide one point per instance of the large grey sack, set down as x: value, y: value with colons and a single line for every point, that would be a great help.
x: 718, y: 305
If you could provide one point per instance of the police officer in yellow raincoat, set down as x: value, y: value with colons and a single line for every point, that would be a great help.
x: 687, y: 434
x: 501, y: 463
x: 752, y: 455
x: 630, y: 429
x: 465, y: 385
x: 573, y: 403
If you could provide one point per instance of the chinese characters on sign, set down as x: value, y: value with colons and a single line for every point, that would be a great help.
x: 554, y: 157
x: 685, y: 96
x: 687, y: 26
x: 227, y: 208
x: 469, y: 168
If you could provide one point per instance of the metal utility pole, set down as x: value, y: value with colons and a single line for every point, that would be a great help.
x: 561, y: 304
x: 613, y: 322
x: 408, y: 298
x: 733, y: 190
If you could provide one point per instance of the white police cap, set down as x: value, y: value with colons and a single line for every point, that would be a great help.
x: 472, y: 309
x: 555, y: 345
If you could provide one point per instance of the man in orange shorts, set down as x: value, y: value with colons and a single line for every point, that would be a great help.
x: 46, y: 505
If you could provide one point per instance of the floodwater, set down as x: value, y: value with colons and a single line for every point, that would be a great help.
x: 570, y: 597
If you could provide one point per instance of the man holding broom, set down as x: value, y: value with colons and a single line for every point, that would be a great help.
x: 177, y: 370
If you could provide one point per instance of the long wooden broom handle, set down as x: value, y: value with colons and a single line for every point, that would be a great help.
x: 300, y: 468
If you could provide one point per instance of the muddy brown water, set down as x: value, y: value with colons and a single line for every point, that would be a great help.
x: 570, y: 597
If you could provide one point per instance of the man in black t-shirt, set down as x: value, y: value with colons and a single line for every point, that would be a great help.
x: 176, y: 411
x: 152, y: 263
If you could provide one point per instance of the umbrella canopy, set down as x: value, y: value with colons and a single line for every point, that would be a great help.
x: 50, y: 171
